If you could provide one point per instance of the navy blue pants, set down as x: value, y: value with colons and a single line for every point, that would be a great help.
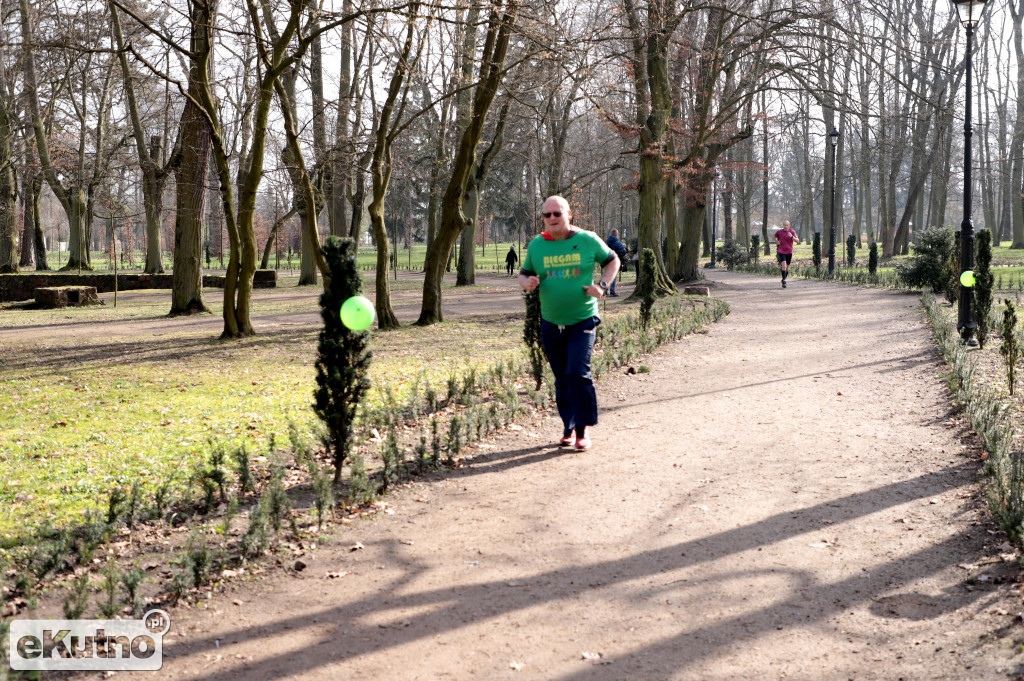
x: 568, y: 349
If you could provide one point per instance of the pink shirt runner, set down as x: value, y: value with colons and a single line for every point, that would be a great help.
x: 785, y: 238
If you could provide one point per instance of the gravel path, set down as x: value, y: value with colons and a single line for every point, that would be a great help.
x: 783, y: 497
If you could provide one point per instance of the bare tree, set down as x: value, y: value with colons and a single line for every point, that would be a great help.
x: 151, y: 163
x: 500, y: 24
x: 8, y: 182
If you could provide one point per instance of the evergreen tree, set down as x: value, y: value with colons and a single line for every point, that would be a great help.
x: 646, y: 285
x: 531, y: 336
x: 1010, y: 349
x: 983, y: 284
x: 755, y: 247
x: 932, y: 249
x: 816, y: 252
x: 343, y: 357
x: 873, y: 259
x: 951, y: 289
x: 851, y: 250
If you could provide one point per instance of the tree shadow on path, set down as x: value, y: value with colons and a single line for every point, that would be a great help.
x: 349, y: 636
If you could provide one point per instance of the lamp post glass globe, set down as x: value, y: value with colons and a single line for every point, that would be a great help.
x: 969, y: 10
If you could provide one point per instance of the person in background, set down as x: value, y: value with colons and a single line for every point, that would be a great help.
x: 620, y: 250
x: 511, y: 258
x: 785, y: 238
x: 560, y: 262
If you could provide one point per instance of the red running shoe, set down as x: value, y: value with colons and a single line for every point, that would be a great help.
x: 567, y: 440
x: 584, y: 442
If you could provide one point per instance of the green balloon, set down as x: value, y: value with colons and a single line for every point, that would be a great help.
x: 357, y: 313
x: 967, y: 278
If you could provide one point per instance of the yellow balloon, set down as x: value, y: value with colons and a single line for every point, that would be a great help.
x: 967, y: 278
x: 357, y: 313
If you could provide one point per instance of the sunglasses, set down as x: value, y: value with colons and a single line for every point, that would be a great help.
x: 553, y: 214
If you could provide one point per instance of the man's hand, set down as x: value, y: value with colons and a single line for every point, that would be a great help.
x: 529, y: 283
x: 594, y: 291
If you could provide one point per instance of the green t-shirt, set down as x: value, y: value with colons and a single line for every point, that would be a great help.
x: 565, y: 266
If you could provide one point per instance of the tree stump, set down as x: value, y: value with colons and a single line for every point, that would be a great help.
x: 66, y: 296
x: 697, y: 290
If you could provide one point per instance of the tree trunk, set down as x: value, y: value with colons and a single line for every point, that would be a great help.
x: 264, y: 262
x: 466, y: 274
x: 727, y: 179
x: 465, y: 269
x: 32, y: 194
x: 196, y: 136
x: 1017, y: 142
x: 670, y: 201
x: 28, y: 228
x: 153, y: 181
x: 8, y: 190
x: 342, y: 154
x: 693, y: 226
x: 386, y: 318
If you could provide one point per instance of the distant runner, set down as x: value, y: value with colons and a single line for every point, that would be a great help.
x: 785, y: 238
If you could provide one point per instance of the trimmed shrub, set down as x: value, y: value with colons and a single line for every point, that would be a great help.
x: 648, y: 266
x: 984, y: 282
x: 1010, y: 350
x: 873, y: 259
x: 343, y: 357
x: 816, y: 252
x: 531, y: 336
x: 851, y: 250
x: 932, y: 250
x: 952, y: 272
x: 732, y: 254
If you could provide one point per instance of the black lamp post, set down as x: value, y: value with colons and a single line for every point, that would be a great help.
x: 970, y: 13
x: 714, y: 216
x: 833, y: 138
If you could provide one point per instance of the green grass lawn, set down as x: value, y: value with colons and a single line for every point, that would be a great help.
x: 82, y: 415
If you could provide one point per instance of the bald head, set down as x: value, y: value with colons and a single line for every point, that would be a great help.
x: 556, y: 214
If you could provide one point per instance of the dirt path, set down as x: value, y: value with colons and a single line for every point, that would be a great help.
x: 781, y: 498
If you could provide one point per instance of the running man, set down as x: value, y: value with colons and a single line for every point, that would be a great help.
x: 785, y: 238
x: 560, y: 261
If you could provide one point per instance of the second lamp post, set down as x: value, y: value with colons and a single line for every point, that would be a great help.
x: 833, y: 137
x: 970, y: 13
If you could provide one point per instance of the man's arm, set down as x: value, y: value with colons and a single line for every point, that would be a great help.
x: 608, y: 272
